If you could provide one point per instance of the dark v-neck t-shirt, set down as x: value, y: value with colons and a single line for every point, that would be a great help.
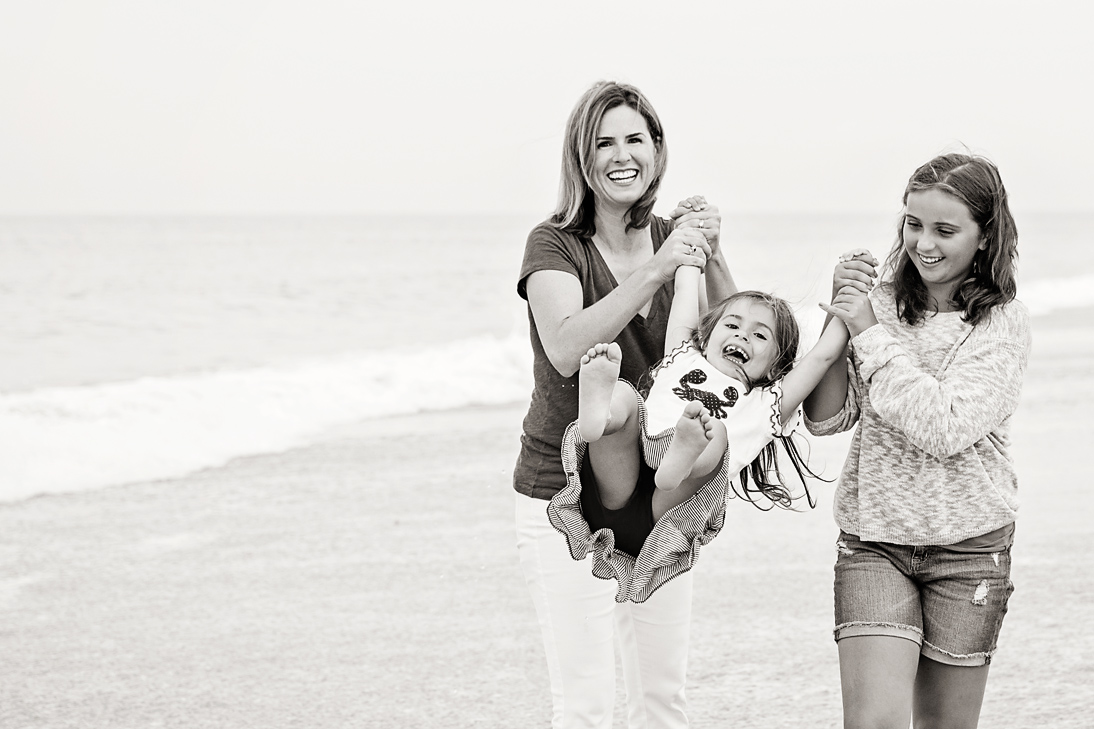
x: 538, y: 472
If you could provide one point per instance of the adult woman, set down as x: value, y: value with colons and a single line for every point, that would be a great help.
x: 601, y: 270
x: 927, y: 500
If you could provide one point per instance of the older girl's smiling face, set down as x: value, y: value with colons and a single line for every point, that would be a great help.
x: 624, y: 158
x: 941, y: 238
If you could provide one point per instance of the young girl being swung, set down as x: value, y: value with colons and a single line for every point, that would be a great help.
x: 725, y: 391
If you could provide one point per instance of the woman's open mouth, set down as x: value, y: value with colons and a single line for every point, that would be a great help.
x: 623, y: 177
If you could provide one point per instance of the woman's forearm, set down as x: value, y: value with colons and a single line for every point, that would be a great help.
x: 567, y: 329
x: 719, y: 280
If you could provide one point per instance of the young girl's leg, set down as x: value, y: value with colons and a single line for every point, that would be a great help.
x: 696, y: 450
x: 608, y: 421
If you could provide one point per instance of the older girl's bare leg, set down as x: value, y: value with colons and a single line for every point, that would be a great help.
x: 877, y: 673
x: 948, y: 696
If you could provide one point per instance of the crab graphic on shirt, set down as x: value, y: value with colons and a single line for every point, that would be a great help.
x: 709, y: 400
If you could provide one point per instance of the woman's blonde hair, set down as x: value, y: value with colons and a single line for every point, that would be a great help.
x: 575, y: 212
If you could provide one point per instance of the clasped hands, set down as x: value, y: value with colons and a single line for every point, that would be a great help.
x: 851, y: 282
x: 694, y: 239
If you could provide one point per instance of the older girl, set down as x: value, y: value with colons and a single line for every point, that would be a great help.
x: 928, y: 496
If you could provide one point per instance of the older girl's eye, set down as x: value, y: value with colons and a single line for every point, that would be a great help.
x: 912, y: 224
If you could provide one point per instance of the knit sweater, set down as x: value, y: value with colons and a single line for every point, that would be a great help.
x: 930, y: 462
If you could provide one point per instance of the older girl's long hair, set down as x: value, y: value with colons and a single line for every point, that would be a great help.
x: 576, y: 209
x: 975, y: 181
x: 766, y: 463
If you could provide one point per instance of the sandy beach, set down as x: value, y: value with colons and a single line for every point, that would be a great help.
x: 371, y: 580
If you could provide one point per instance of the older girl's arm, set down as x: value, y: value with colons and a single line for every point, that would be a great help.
x: 945, y: 414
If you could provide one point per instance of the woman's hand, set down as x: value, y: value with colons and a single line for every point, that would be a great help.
x: 852, y: 306
x: 696, y: 212
x: 684, y: 247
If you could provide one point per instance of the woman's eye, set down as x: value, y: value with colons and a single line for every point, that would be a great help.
x: 912, y: 224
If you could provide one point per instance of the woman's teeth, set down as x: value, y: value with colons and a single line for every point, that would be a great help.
x: 623, y: 175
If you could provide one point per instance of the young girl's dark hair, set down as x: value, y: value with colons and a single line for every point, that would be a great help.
x: 975, y: 181
x: 787, y: 338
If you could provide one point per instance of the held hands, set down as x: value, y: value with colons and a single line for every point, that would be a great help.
x: 851, y: 282
x: 683, y: 247
x: 696, y: 212
x: 857, y: 269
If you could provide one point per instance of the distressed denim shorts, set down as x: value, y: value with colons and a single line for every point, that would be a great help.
x: 950, y: 603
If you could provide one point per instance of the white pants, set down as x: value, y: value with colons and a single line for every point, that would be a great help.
x: 579, y: 618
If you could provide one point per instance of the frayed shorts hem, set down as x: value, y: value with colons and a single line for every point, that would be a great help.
x: 914, y: 634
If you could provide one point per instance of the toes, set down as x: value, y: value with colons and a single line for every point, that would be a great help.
x: 693, y: 410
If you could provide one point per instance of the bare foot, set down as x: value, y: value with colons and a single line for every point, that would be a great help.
x: 598, y: 374
x: 693, y: 431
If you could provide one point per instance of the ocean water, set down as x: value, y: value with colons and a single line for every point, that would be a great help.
x: 135, y: 349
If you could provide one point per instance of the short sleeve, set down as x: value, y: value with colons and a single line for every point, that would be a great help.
x: 774, y: 395
x: 549, y: 249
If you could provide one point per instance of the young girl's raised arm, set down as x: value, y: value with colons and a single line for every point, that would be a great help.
x: 808, y: 373
x: 684, y: 314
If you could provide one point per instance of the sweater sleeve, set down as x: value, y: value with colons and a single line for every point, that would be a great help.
x: 946, y: 413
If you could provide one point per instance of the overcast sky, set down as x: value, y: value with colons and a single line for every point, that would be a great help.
x: 318, y: 106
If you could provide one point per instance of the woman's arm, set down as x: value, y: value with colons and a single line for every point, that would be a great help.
x: 696, y: 212
x: 568, y: 330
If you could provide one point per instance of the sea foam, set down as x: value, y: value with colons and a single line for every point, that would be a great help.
x: 1046, y: 295
x: 69, y: 439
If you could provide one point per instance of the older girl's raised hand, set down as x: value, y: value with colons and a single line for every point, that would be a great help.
x: 856, y: 269
x: 696, y: 212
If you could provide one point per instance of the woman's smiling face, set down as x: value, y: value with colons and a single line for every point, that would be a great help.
x: 941, y: 238
x: 624, y: 158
